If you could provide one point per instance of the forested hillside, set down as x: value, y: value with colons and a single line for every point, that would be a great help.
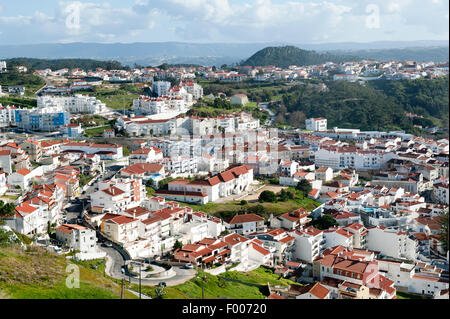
x: 377, y: 105
x: 289, y: 55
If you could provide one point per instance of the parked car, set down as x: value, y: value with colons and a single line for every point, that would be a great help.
x: 189, y: 266
x: 108, y: 244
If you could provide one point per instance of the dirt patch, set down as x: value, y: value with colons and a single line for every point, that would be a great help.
x: 255, y: 196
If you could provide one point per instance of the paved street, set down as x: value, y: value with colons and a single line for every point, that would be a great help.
x: 116, y: 261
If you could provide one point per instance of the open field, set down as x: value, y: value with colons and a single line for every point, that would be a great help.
x: 277, y: 208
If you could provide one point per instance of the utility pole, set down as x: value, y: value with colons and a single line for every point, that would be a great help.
x: 140, y: 273
x: 203, y: 287
x: 122, y: 292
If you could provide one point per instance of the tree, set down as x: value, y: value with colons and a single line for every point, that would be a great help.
x: 267, y: 196
x: 178, y: 245
x: 297, y: 119
x: 304, y: 186
x: 244, y: 202
x: 6, y: 210
x: 285, y: 195
x: 126, y: 151
x: 324, y: 222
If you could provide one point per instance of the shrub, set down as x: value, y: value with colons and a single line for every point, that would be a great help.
x: 267, y: 196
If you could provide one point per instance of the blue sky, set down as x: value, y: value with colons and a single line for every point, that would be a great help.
x: 295, y: 21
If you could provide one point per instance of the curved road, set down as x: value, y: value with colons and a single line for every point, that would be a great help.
x: 116, y: 261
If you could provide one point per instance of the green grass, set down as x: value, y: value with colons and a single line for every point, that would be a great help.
x: 40, y: 274
x: 253, y: 285
x: 31, y: 82
x: 11, y: 197
x: 18, y: 101
x: 403, y: 295
x: 117, y: 99
x: 276, y: 208
x: 97, y: 132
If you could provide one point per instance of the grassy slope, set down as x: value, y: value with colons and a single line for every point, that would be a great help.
x: 256, y: 287
x: 39, y: 274
x: 276, y: 208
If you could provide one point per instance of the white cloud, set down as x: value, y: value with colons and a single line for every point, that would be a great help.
x: 299, y: 21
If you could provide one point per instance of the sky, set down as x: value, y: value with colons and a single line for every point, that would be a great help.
x: 209, y: 21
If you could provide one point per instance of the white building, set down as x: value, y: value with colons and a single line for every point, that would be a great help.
x: 393, y: 243
x: 2, y: 66
x: 342, y: 157
x: 49, y: 118
x: 308, y: 243
x: 160, y: 105
x: 121, y: 229
x: 161, y: 88
x: 77, y: 237
x: 245, y: 224
x: 316, y: 124
x: 73, y: 104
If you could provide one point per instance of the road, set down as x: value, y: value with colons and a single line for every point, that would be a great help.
x: 47, y: 83
x: 116, y: 261
x: 265, y: 107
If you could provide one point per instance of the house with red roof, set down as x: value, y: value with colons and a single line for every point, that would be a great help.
x: 146, y: 155
x: 277, y: 241
x: 28, y: 219
x: 259, y: 255
x: 21, y: 178
x: 308, y: 243
x: 233, y: 181
x: 77, y: 237
x: 291, y: 220
x: 143, y: 170
x: 121, y: 229
x: 337, y: 237
x: 244, y: 224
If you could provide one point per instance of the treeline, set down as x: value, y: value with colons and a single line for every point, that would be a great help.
x: 377, y: 105
x: 57, y: 64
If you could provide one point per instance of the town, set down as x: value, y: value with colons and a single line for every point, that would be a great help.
x: 341, y: 213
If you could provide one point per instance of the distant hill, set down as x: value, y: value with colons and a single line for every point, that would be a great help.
x: 157, y: 53
x: 291, y: 55
x: 421, y: 54
x: 57, y: 64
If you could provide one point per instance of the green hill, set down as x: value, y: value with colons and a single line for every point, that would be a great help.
x: 289, y: 55
x: 36, y: 273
